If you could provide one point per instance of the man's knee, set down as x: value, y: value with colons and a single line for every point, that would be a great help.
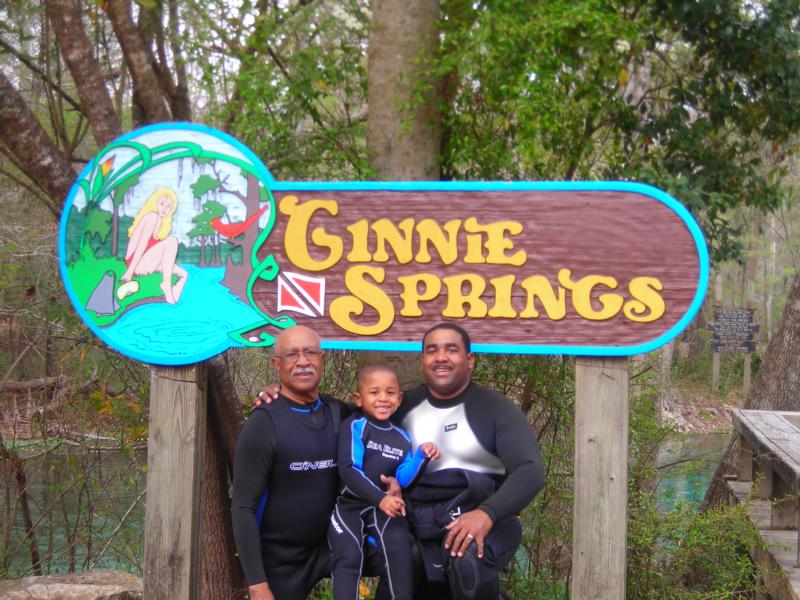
x: 472, y: 579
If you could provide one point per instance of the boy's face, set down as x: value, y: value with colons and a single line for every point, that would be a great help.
x: 378, y: 394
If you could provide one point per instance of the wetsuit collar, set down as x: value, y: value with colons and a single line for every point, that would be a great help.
x: 438, y: 403
x: 303, y: 408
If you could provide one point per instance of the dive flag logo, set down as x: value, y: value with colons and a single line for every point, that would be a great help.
x: 301, y: 293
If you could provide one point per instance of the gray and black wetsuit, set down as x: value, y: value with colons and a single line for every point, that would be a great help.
x: 490, y: 460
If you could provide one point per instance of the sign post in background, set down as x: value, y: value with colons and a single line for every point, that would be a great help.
x: 733, y: 330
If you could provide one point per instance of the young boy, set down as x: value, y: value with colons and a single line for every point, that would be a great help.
x: 370, y: 446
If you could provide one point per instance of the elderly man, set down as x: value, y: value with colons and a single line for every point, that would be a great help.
x: 285, y: 479
x: 465, y: 504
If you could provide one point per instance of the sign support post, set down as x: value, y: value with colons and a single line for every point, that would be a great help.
x: 175, y: 449
x: 601, y: 479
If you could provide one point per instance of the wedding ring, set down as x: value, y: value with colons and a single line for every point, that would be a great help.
x: 470, y: 536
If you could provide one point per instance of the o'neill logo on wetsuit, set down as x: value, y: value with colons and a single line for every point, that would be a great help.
x: 312, y: 466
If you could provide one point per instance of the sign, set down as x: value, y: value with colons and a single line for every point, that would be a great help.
x: 176, y: 243
x: 733, y: 330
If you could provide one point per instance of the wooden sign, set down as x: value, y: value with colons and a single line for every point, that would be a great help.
x: 733, y: 330
x: 176, y: 243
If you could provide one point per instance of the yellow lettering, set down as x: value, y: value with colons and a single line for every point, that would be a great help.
x: 343, y: 308
x: 429, y: 231
x: 502, y: 297
x: 496, y: 242
x: 296, y: 237
x: 386, y: 231
x: 537, y: 286
x: 582, y: 295
x: 411, y: 296
x: 360, y: 250
x: 456, y: 298
x: 645, y: 298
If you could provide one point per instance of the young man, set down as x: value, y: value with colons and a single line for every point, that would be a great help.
x: 365, y: 514
x: 491, y: 469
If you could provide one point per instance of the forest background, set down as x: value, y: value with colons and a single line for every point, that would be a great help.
x: 699, y: 98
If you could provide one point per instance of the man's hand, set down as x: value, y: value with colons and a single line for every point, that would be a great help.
x: 392, y: 487
x: 431, y: 450
x: 471, y: 526
x: 268, y: 394
x: 393, y: 506
x: 261, y: 591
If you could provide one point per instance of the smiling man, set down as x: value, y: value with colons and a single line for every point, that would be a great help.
x: 285, y: 479
x: 465, y: 504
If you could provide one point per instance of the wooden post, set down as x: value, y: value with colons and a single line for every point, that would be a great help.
x: 601, y: 478
x: 715, y: 358
x: 174, y: 464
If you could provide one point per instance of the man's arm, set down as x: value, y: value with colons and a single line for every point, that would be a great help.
x: 499, y: 424
x: 252, y: 464
x: 351, y: 462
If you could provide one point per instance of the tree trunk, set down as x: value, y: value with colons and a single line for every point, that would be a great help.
x: 147, y: 86
x: 96, y: 104
x: 777, y: 385
x: 221, y: 573
x: 404, y: 143
x: 34, y: 151
x: 236, y: 276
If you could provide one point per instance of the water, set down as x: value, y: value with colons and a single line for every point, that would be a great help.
x: 686, y: 466
x: 79, y: 498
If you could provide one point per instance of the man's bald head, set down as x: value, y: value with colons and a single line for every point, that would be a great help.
x: 298, y: 361
x: 299, y: 335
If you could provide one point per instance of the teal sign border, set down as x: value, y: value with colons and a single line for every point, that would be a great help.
x: 417, y: 186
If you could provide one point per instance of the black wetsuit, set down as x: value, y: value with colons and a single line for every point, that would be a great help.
x: 285, y: 483
x: 369, y: 448
x: 490, y: 460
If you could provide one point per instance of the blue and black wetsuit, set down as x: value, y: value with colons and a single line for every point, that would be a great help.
x: 490, y: 460
x: 369, y: 448
x: 285, y: 483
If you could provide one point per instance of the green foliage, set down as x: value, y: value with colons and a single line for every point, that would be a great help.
x: 688, y: 96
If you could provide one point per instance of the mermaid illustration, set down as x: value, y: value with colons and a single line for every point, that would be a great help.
x: 151, y: 249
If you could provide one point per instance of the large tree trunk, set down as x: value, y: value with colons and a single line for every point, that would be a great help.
x: 65, y: 15
x: 777, y: 385
x: 32, y: 150
x: 146, y: 83
x: 221, y: 574
x: 404, y: 144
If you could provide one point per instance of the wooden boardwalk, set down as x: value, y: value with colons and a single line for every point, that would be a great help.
x: 769, y: 479
x: 781, y: 546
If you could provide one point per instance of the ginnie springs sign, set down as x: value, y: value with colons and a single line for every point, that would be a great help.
x: 176, y: 243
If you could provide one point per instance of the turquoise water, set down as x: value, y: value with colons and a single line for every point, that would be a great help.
x: 199, y: 323
x: 686, y: 466
x: 79, y: 499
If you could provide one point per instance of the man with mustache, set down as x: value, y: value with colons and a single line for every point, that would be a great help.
x: 285, y: 478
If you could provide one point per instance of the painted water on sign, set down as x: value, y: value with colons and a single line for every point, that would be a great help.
x: 163, y: 330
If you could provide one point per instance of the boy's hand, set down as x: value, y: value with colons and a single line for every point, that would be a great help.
x: 392, y: 486
x: 431, y: 450
x: 393, y: 506
x: 268, y: 394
